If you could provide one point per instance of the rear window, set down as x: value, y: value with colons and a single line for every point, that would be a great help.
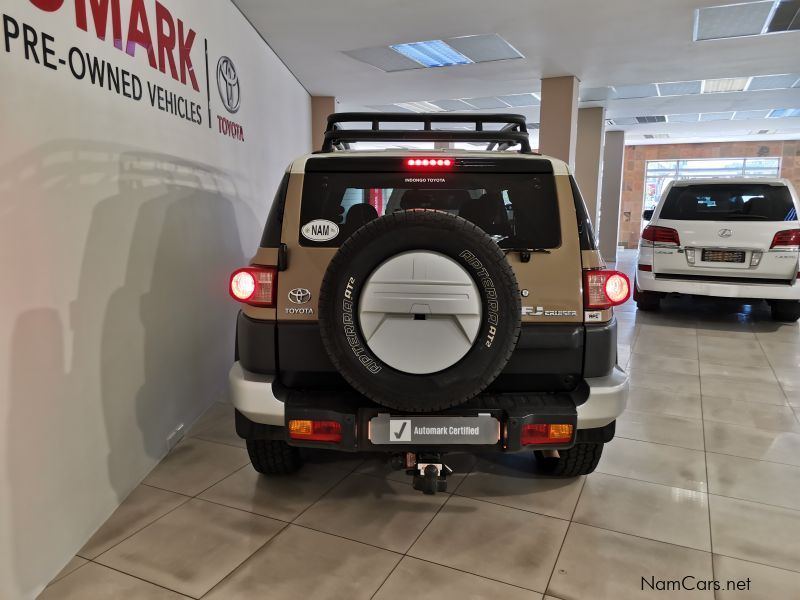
x: 517, y: 210
x: 729, y: 202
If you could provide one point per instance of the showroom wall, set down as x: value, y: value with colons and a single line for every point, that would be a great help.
x: 636, y: 157
x: 137, y: 165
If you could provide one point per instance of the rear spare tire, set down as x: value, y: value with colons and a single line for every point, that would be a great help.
x: 419, y: 310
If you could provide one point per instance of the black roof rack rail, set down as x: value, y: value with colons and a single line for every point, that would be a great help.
x: 513, y: 132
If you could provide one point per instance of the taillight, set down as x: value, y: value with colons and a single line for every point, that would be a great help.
x: 788, y: 239
x: 604, y: 289
x: 254, y: 285
x: 661, y: 235
x: 546, y: 433
x: 430, y: 163
x: 315, y: 431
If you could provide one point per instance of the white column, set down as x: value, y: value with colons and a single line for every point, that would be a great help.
x: 589, y: 157
x: 558, y: 120
x: 611, y: 194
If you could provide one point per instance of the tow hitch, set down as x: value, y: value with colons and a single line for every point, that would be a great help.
x: 428, y: 470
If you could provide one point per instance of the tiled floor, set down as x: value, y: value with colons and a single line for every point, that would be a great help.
x: 703, y: 480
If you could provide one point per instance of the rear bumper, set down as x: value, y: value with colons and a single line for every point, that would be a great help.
x: 252, y: 395
x: 649, y: 282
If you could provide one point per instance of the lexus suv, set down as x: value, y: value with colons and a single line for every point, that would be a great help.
x: 416, y: 303
x: 733, y: 238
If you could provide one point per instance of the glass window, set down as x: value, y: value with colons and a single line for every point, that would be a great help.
x: 517, y: 210
x: 729, y: 202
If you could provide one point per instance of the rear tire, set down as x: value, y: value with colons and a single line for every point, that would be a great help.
x: 787, y: 311
x: 646, y: 301
x: 581, y: 459
x: 274, y: 457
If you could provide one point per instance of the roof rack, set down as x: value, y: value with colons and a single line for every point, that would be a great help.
x: 513, y: 132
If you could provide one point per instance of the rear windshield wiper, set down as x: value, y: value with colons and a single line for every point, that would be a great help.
x: 744, y: 216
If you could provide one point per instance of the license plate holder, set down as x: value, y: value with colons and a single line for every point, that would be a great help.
x: 723, y: 256
x: 439, y: 430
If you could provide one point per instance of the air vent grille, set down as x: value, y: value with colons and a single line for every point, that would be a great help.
x: 652, y: 119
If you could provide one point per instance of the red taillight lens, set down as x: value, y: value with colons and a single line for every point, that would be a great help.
x: 546, y: 433
x: 661, y: 235
x: 316, y: 431
x: 604, y: 289
x: 254, y: 285
x: 788, y: 239
x: 648, y: 268
x: 430, y: 163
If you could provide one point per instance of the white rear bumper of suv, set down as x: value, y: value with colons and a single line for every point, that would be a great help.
x: 649, y: 282
x: 252, y: 396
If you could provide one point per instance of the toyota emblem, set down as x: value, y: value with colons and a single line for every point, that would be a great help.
x: 228, y: 84
x: 725, y: 233
x: 299, y: 296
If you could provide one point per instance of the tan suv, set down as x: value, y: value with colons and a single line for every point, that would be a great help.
x: 423, y: 302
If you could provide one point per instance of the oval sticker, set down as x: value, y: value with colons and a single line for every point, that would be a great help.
x: 320, y: 230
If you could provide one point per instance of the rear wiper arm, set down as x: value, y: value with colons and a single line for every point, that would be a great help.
x: 744, y: 216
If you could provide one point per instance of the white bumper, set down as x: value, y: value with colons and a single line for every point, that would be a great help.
x: 647, y: 282
x: 252, y: 396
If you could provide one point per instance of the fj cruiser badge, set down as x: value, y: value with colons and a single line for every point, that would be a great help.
x: 320, y: 230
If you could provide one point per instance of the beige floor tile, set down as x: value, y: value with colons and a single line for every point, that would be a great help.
x: 704, y: 330
x: 669, y: 333
x: 726, y: 352
x: 422, y: 580
x: 510, y: 480
x: 74, y: 563
x: 678, y: 467
x: 666, y: 364
x: 648, y: 510
x: 782, y: 354
x: 192, y: 548
x: 664, y: 402
x: 373, y: 510
x: 749, y: 442
x: 756, y: 480
x: 605, y: 565
x: 96, y: 582
x: 502, y: 543
x: 656, y: 347
x: 214, y: 413
x: 788, y: 377
x: 277, y: 496
x: 299, y: 563
x: 792, y: 395
x: 142, y: 506
x: 346, y: 461
x: 765, y: 582
x: 750, y: 414
x: 195, y: 465
x: 720, y: 386
x: 738, y: 372
x: 661, y: 429
x: 755, y: 532
x: 461, y: 463
x: 221, y: 429
x: 677, y: 384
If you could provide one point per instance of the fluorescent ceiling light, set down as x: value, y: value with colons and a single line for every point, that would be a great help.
x: 730, y: 84
x: 452, y: 104
x: 419, y: 107
x: 488, y: 102
x: 744, y: 115
x: 786, y: 17
x: 432, y: 53
x: 484, y: 48
x: 735, y: 20
x: 389, y: 108
x: 716, y: 116
x: 773, y: 82
x: 384, y: 58
x: 684, y: 118
x: 779, y: 113
x: 520, y: 99
x: 635, y: 91
x: 680, y: 88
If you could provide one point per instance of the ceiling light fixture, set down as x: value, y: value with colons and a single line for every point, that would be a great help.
x: 728, y: 84
x: 432, y: 53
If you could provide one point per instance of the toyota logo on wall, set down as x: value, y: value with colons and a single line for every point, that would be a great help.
x: 228, y: 84
x: 299, y: 296
x: 725, y: 233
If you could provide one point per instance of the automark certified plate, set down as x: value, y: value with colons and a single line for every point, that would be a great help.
x: 387, y: 429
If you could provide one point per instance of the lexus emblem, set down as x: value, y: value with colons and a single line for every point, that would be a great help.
x: 299, y: 296
x: 228, y: 84
x: 726, y: 233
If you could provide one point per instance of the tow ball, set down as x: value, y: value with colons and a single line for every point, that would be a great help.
x: 428, y: 471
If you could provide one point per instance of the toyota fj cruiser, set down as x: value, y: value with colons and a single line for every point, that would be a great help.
x: 421, y: 302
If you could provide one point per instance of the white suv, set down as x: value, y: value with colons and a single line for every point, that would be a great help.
x: 732, y: 238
